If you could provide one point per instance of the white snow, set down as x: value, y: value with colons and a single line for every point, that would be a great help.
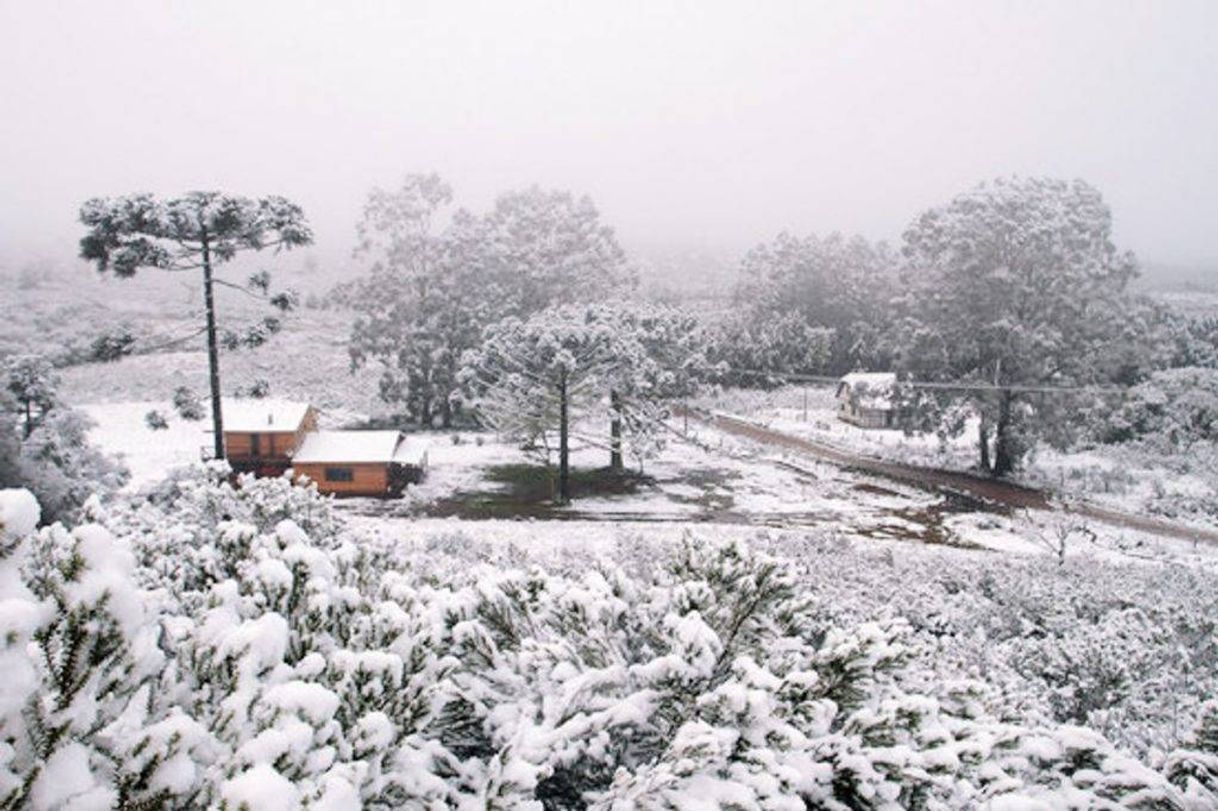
x: 67, y: 782
x: 265, y: 415
x: 261, y: 788
x: 19, y: 513
x: 352, y: 447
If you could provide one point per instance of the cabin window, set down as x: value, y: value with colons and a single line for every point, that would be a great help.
x: 340, y: 474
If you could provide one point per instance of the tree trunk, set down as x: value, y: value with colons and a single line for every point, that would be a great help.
x: 213, y: 352
x: 615, y: 431
x: 564, y: 473
x: 1004, y: 454
x: 983, y: 444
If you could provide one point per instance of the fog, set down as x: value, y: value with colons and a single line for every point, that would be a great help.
x: 709, y: 125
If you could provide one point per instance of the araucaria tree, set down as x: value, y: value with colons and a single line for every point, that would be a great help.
x: 532, y: 378
x: 529, y: 376
x: 199, y: 231
x: 1012, y: 286
x: 661, y: 354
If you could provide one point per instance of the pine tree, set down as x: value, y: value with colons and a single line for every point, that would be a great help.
x: 199, y: 231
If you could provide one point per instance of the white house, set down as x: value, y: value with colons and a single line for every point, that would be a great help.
x: 868, y: 400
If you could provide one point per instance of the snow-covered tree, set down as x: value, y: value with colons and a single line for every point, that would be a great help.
x: 841, y: 286
x: 1015, y: 283
x: 661, y: 353
x: 437, y: 281
x: 551, y: 248
x: 199, y: 231
x: 758, y: 352
x: 31, y: 382
x: 44, y: 444
x: 426, y: 298
x: 1174, y: 410
x: 530, y: 376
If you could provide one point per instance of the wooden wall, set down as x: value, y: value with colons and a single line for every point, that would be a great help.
x: 368, y: 479
x: 273, y: 444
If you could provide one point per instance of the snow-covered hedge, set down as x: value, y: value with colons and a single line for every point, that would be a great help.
x: 206, y: 649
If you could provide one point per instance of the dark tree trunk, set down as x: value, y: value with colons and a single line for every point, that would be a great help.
x: 564, y: 473
x: 213, y: 352
x: 983, y: 444
x: 615, y: 431
x: 1004, y: 452
x: 29, y: 419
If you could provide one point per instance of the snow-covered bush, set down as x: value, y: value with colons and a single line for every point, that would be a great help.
x: 207, y: 649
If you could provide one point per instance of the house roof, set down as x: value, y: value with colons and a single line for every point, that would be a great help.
x: 351, y: 447
x: 870, y: 389
x: 249, y: 415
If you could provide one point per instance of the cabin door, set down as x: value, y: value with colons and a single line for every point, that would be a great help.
x: 255, y: 444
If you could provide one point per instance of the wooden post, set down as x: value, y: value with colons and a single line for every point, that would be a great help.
x: 805, y: 403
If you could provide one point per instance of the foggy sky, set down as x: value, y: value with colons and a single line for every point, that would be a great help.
x: 695, y: 124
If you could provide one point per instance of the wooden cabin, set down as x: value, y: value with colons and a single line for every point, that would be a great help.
x: 868, y: 400
x: 359, y: 463
x: 262, y: 436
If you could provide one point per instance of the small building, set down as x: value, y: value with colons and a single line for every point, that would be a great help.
x: 359, y: 463
x: 868, y: 400
x: 262, y: 436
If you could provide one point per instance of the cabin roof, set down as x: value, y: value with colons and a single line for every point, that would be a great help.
x: 248, y: 416
x: 870, y: 389
x: 350, y: 447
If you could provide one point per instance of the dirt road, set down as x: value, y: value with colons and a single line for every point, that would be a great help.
x: 991, y: 491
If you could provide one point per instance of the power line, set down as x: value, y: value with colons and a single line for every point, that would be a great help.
x: 936, y: 385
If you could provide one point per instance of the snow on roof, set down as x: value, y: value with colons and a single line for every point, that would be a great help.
x: 870, y: 389
x: 352, y: 447
x: 254, y: 415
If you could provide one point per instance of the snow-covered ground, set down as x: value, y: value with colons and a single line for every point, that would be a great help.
x: 707, y: 476
x: 1110, y: 476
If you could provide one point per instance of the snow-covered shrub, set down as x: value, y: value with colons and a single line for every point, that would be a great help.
x: 205, y: 648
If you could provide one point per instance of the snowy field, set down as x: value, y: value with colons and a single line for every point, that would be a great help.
x: 704, y: 477
x: 1107, y: 475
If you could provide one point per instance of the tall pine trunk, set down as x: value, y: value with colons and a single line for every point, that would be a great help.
x: 564, y: 472
x: 213, y: 351
x: 615, y: 431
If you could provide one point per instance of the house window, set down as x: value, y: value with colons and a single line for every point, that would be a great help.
x: 340, y: 474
